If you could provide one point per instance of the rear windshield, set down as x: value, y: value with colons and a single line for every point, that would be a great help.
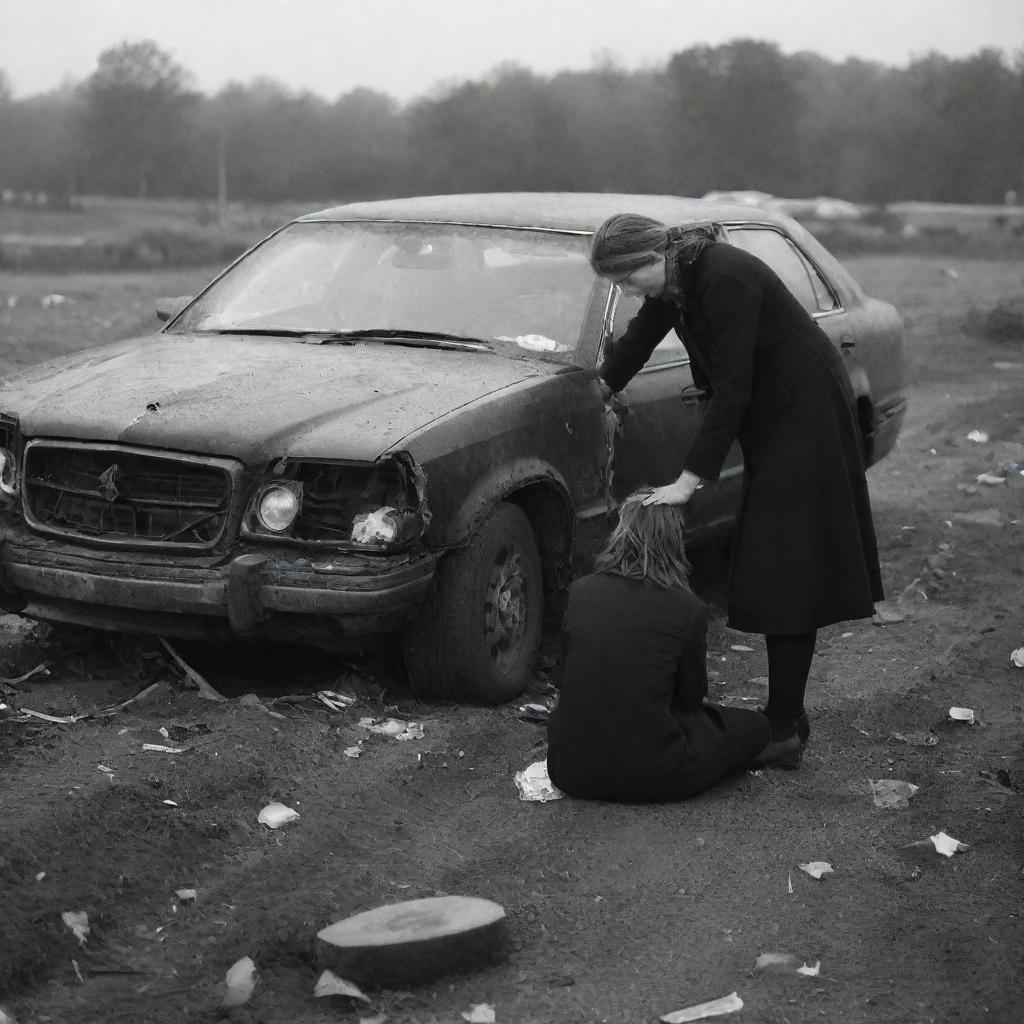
x: 518, y: 290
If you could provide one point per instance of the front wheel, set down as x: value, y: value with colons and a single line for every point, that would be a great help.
x: 476, y: 637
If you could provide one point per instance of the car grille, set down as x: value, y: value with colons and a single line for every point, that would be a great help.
x: 123, y: 495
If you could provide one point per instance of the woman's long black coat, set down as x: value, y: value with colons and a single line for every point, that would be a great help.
x: 630, y: 723
x: 805, y: 553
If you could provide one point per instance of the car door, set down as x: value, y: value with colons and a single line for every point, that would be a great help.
x: 665, y: 410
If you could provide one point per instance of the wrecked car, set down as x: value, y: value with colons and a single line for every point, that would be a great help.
x: 382, y: 421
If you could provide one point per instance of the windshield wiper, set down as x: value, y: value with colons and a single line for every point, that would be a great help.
x: 418, y: 339
x: 270, y: 332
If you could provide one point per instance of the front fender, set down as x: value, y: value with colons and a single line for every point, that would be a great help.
x: 520, y: 475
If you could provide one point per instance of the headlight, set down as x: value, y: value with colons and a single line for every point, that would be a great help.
x: 277, y: 508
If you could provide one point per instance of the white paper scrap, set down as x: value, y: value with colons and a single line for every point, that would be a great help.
x: 962, y: 715
x: 393, y: 727
x: 1017, y: 658
x: 78, y: 922
x: 716, y: 1008
x: 817, y: 868
x: 978, y: 437
x: 329, y: 984
x: 240, y: 981
x: 479, y: 1013
x: 160, y: 748
x: 533, y: 783
x: 946, y: 844
x: 275, y: 815
x: 810, y: 972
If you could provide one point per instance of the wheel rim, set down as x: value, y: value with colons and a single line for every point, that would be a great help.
x: 506, y: 607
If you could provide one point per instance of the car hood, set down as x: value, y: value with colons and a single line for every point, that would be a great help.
x: 254, y: 398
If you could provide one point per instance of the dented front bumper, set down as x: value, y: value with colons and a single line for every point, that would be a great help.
x: 250, y: 592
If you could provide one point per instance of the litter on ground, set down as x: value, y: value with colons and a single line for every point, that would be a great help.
x: 186, y: 895
x: 983, y: 517
x: 479, y: 1013
x: 946, y: 844
x: 978, y: 437
x: 892, y: 793
x: 393, y: 727
x: 205, y: 689
x: 534, y: 783
x: 962, y: 715
x: 1017, y: 657
x: 817, y: 868
x: 991, y: 479
x: 335, y: 701
x: 78, y: 922
x: 240, y: 982
x: 329, y: 984
x: 922, y: 738
x: 275, y: 815
x: 785, y: 963
x: 716, y: 1008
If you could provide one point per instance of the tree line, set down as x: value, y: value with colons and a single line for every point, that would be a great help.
x: 737, y: 116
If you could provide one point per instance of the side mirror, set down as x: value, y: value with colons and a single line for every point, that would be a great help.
x: 166, y: 309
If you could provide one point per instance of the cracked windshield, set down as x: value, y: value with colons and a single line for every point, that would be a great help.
x: 518, y: 291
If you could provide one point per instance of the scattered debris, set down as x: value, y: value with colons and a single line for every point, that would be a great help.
x: 480, y: 1013
x: 962, y: 715
x: 817, y: 868
x: 887, y: 613
x: 276, y: 815
x: 413, y: 942
x: 170, y: 803
x: 335, y: 701
x: 789, y: 882
x: 161, y: 749
x: 998, y: 780
x: 985, y: 517
x: 355, y: 751
x: 78, y: 922
x: 533, y: 713
x: 990, y: 478
x: 1017, y: 657
x: 716, y: 1008
x: 251, y: 700
x: 39, y: 670
x: 186, y: 895
x: 106, y: 769
x: 893, y: 793
x: 740, y: 647
x: 393, y: 727
x: 946, y: 844
x: 205, y: 689
x: 917, y: 739
x: 534, y: 783
x: 978, y: 437
x: 784, y: 963
x: 52, y: 300
x: 329, y: 984
x: 240, y: 982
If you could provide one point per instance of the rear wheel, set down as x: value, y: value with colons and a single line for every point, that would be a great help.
x: 476, y: 637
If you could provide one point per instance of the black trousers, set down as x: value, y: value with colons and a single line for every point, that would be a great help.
x: 789, y: 662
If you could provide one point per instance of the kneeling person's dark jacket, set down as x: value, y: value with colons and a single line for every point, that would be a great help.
x: 630, y: 724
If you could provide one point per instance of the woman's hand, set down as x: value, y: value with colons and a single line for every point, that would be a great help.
x: 606, y: 391
x: 677, y: 493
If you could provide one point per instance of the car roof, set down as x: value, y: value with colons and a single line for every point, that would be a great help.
x: 553, y: 211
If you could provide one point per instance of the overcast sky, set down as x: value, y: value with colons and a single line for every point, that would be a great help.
x: 407, y: 47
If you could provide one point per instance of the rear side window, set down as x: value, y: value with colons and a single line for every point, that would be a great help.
x: 797, y: 272
x: 670, y: 348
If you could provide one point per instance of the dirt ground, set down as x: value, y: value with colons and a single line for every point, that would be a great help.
x: 616, y: 913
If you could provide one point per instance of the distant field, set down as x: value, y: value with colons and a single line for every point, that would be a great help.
x: 125, y: 234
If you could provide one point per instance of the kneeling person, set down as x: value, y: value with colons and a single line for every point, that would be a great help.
x: 633, y: 722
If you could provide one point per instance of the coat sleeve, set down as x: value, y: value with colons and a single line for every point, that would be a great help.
x: 640, y: 338
x: 730, y: 306
x: 692, y: 671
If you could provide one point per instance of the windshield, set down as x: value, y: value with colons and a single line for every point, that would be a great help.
x: 519, y: 291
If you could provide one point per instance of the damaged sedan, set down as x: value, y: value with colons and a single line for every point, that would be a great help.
x: 384, y: 421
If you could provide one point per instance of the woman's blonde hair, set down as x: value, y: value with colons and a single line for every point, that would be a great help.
x: 647, y: 544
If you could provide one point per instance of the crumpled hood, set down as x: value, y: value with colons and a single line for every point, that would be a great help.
x: 254, y: 398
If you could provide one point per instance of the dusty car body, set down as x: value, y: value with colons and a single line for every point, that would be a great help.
x: 382, y: 420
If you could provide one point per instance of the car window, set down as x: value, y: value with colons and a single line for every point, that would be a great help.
x: 521, y: 291
x: 797, y: 272
x: 670, y: 348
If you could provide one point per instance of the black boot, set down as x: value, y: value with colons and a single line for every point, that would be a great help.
x: 784, y: 752
x: 800, y: 725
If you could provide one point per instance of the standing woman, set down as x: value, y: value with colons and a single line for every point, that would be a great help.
x: 804, y: 554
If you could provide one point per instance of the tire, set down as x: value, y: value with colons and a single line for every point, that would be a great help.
x: 476, y: 637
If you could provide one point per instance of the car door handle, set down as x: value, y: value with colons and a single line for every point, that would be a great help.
x: 847, y: 343
x: 691, y: 396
